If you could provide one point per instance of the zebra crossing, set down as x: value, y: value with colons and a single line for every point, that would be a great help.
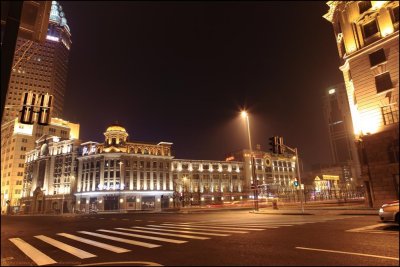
x: 149, y: 236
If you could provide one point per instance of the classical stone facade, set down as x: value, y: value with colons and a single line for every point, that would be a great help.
x: 50, y: 175
x: 367, y: 35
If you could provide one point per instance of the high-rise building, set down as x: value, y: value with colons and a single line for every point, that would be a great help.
x: 40, y: 67
x: 341, y: 135
x: 16, y: 140
x: 367, y: 36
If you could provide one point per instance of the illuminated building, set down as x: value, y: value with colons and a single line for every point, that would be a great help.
x: 40, y: 67
x: 16, y: 140
x: 122, y: 175
x: 201, y: 182
x: 341, y: 135
x: 275, y: 172
x: 367, y: 36
x: 50, y: 175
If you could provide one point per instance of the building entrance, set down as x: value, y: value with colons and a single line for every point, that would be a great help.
x: 111, y: 203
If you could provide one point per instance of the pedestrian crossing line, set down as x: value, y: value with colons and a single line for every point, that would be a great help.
x: 33, y: 253
x: 94, y: 243
x: 235, y: 229
x: 166, y: 234
x: 186, y: 232
x: 123, y: 240
x: 67, y: 248
x: 235, y: 225
x: 145, y: 236
x: 205, y: 228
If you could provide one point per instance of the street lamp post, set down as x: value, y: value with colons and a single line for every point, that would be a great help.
x: 253, y: 170
x: 120, y: 185
x: 62, y: 203
x: 298, y: 175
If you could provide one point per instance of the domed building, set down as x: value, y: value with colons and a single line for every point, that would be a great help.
x: 123, y: 175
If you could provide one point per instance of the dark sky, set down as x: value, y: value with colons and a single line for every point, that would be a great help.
x: 182, y: 71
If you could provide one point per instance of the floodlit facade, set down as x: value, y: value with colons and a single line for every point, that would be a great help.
x: 50, y: 175
x: 275, y: 172
x: 367, y: 36
x: 40, y: 67
x: 16, y: 140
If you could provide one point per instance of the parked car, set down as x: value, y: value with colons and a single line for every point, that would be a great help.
x: 390, y: 211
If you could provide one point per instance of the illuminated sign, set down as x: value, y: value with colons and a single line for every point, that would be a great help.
x: 52, y: 38
x: 330, y: 177
x: 230, y: 158
x: 112, y: 187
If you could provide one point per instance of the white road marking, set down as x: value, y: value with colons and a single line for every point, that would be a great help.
x: 123, y: 240
x: 176, y: 226
x: 350, y: 253
x: 235, y: 229
x: 187, y: 232
x: 95, y: 243
x: 101, y: 218
x: 34, y: 254
x: 145, y: 236
x: 119, y: 263
x: 166, y: 234
x: 369, y: 227
x: 138, y: 220
x: 67, y: 248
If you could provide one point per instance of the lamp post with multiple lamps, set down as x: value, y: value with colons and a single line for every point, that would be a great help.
x: 245, y: 115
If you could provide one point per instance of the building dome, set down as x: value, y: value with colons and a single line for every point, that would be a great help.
x: 116, y: 127
x: 116, y: 135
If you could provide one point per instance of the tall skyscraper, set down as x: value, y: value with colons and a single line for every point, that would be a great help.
x: 40, y: 67
x: 367, y: 36
x: 341, y: 135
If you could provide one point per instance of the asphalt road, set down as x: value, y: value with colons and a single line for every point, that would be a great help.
x: 205, y: 239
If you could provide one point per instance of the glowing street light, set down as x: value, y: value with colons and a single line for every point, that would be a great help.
x: 245, y: 115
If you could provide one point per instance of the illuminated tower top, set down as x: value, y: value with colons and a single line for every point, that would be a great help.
x: 57, y: 15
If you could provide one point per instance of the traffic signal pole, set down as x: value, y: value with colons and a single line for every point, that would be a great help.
x: 294, y: 150
x: 298, y: 175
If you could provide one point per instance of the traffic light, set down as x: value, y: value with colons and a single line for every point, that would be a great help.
x: 28, y: 105
x: 45, y: 106
x: 273, y: 142
x: 295, y: 183
x: 281, y: 147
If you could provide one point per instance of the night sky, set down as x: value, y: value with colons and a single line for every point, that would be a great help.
x: 182, y: 71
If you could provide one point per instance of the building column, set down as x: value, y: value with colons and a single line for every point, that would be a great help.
x: 102, y: 173
x: 79, y: 178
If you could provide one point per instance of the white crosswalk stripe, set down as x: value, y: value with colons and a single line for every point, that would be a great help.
x: 187, y: 232
x: 67, y: 248
x: 165, y: 234
x: 145, y: 236
x: 123, y: 240
x: 95, y: 243
x: 201, y: 230
x: 220, y: 229
x: 234, y: 229
x: 33, y: 253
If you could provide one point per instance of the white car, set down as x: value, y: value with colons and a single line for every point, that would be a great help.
x: 390, y: 212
